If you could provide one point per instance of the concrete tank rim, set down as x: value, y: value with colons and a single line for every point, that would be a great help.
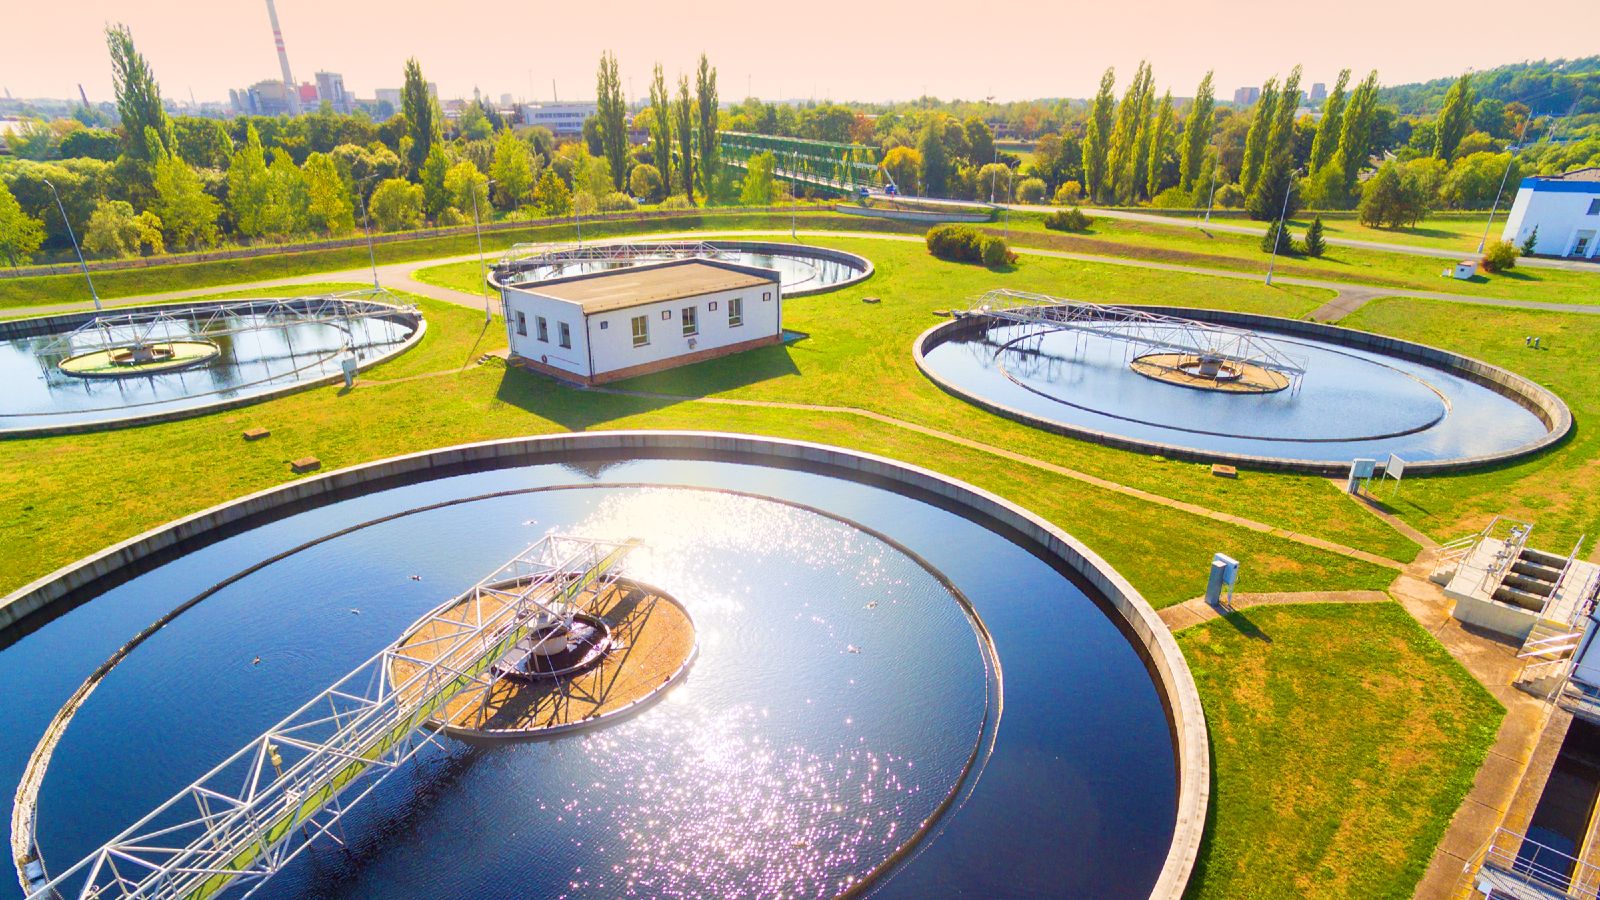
x: 863, y: 264
x: 1147, y: 634
x: 25, y: 327
x: 1544, y: 403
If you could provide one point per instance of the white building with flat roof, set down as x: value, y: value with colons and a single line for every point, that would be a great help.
x: 620, y: 323
x: 1564, y: 208
x: 563, y: 119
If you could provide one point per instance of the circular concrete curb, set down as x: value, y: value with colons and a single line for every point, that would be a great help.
x: 1170, y: 672
x: 799, y: 251
x: 1540, y: 401
x: 12, y: 329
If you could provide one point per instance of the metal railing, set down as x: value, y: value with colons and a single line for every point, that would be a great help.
x: 1512, y: 860
x: 1139, y: 327
x: 267, y: 803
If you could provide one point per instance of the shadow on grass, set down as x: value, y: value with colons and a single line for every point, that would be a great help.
x: 1242, y: 624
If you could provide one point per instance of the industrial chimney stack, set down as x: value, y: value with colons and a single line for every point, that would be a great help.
x: 283, y: 60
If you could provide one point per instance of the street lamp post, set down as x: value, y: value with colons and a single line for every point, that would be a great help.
x: 75, y: 248
x: 1510, y: 161
x: 1282, y: 219
x: 366, y: 223
x: 1212, y: 197
x: 483, y: 268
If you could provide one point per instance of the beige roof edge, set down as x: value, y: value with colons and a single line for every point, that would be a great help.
x: 614, y: 289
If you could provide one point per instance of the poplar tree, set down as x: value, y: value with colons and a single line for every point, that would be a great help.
x: 685, y: 117
x: 1327, y: 139
x: 138, y: 99
x: 1255, y: 142
x: 1455, y: 119
x: 417, y: 106
x: 1122, y: 162
x: 1197, y: 133
x: 612, y: 116
x: 249, y: 186
x: 1355, y: 132
x: 706, y: 97
x: 1097, y: 140
x: 1161, y: 141
x: 661, y: 128
x: 1141, y: 144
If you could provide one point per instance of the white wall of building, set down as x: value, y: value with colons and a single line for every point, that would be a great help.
x: 613, y: 344
x: 524, y: 310
x: 1567, y: 214
x: 603, y: 342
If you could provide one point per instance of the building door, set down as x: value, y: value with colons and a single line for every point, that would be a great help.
x: 1583, y: 244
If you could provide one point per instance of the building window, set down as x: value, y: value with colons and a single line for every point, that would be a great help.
x: 566, y: 335
x: 766, y: 295
x: 691, y: 321
x: 522, y: 323
x: 604, y: 324
x: 544, y: 328
x: 735, y: 312
x: 666, y: 315
x: 1594, y: 207
x: 712, y: 306
x: 641, y: 330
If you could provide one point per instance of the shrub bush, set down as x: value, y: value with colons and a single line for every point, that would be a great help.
x: 1068, y: 220
x: 1031, y: 190
x: 1501, y: 257
x: 1172, y: 198
x: 617, y: 201
x: 677, y: 201
x: 1070, y: 192
x: 963, y: 243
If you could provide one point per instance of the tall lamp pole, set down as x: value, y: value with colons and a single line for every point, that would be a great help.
x: 1510, y: 161
x: 366, y: 223
x: 483, y: 268
x: 75, y: 248
x: 1282, y: 218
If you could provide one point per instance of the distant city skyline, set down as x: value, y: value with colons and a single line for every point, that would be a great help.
x: 835, y: 50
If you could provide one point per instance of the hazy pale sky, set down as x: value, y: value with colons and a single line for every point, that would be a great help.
x: 838, y: 49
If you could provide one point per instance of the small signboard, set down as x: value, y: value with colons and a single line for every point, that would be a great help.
x: 1394, y: 468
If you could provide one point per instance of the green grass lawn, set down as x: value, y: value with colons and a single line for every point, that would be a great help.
x: 50, y: 289
x: 1343, y: 739
x: 1457, y: 231
x: 1214, y: 249
x: 1559, y: 490
x: 859, y: 356
x: 47, y: 522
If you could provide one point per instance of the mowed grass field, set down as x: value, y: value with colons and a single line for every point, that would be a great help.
x: 1344, y: 736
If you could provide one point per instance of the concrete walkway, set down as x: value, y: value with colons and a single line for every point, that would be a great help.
x: 1193, y: 612
x: 1236, y: 227
x: 1349, y: 296
x: 1086, y: 478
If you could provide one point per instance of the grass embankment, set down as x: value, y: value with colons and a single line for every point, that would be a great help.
x: 49, y: 289
x: 49, y: 521
x: 1457, y: 232
x: 859, y: 356
x: 1343, y: 739
x: 1184, y: 245
x: 1558, y: 490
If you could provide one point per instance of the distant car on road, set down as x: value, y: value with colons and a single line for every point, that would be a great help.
x: 863, y: 192
x: 892, y: 191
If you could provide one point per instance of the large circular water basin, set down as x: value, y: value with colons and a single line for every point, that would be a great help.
x: 1336, y: 395
x: 123, y: 367
x: 803, y: 269
x: 892, y: 693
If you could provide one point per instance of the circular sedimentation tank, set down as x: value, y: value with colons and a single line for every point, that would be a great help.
x: 803, y: 269
x: 1359, y: 395
x: 129, y: 366
x: 835, y: 726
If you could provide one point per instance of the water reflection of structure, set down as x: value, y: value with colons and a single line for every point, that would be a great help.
x: 1217, y: 348
x: 266, y: 804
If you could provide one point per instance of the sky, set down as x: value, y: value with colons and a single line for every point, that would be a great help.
x: 826, y: 49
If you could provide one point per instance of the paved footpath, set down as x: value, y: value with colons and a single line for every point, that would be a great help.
x: 1348, y: 296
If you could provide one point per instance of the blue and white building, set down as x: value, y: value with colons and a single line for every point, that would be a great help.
x: 1565, y: 209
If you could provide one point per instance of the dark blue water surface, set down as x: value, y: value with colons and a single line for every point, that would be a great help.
x: 1350, y: 403
x: 840, y: 694
x: 37, y: 394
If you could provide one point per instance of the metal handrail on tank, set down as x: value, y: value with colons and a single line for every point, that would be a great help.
x: 267, y: 803
x: 1135, y: 326
x: 521, y: 257
x: 143, y: 328
x: 1510, y: 861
